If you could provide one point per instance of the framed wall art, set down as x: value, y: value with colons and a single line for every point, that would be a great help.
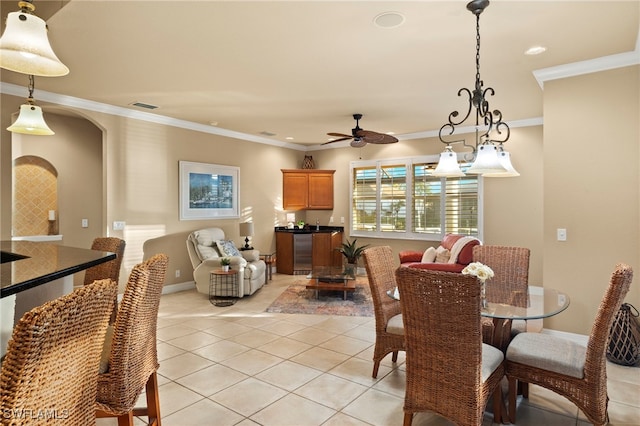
x: 209, y: 191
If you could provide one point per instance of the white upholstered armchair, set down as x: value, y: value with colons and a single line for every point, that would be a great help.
x: 207, y: 246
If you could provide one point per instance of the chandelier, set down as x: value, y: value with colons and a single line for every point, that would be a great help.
x: 488, y: 154
x: 30, y: 120
x: 24, y: 45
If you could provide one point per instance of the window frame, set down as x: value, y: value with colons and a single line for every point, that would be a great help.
x: 407, y: 234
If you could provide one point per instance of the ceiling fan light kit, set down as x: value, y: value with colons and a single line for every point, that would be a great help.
x: 361, y: 137
x: 490, y: 158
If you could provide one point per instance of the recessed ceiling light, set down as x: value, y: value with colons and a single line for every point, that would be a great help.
x: 535, y: 50
x: 389, y: 19
x: 213, y: 123
x: 289, y: 138
x: 391, y: 133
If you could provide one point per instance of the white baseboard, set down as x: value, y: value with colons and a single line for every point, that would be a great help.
x: 174, y: 288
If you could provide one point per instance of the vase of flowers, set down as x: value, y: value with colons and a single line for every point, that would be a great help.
x: 482, y: 273
x: 225, y: 262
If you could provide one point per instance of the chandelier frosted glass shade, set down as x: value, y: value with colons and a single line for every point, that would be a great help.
x: 448, y: 165
x: 30, y: 122
x: 505, y: 160
x: 25, y: 48
x: 486, y: 161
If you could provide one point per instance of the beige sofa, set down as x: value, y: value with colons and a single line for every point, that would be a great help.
x: 205, y: 251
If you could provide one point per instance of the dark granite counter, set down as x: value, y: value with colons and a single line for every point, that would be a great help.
x: 30, y: 264
x: 309, y: 229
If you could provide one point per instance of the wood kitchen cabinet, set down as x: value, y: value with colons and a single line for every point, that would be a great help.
x: 307, y: 189
x: 324, y: 247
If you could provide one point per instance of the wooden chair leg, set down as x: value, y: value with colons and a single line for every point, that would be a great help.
x: 394, y: 356
x: 376, y: 365
x: 408, y: 418
x: 498, y: 405
x: 152, y: 410
x: 126, y: 419
x: 513, y: 388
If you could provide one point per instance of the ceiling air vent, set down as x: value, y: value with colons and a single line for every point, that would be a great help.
x: 265, y: 133
x: 143, y: 105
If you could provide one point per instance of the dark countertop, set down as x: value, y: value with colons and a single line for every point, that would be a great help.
x: 43, y: 263
x: 311, y: 229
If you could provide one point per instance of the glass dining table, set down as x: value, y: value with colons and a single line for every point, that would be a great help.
x: 541, y: 302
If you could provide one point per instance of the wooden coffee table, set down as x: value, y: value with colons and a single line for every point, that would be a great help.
x: 332, y: 278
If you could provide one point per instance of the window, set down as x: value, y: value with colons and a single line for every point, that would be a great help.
x: 402, y: 199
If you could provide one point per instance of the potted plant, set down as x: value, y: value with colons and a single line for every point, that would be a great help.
x: 352, y: 253
x: 225, y: 262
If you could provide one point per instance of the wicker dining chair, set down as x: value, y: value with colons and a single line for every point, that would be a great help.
x: 50, y: 368
x: 510, y: 284
x: 568, y: 368
x: 132, y: 351
x: 449, y: 370
x: 110, y: 269
x: 381, y: 268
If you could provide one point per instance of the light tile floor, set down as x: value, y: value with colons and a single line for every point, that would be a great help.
x: 240, y: 365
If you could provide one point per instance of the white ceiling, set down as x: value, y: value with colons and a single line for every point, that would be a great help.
x: 300, y: 69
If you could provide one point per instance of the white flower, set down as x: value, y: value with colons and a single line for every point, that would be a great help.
x: 477, y: 269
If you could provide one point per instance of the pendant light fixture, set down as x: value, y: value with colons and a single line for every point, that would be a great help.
x: 30, y: 120
x: 489, y: 157
x: 24, y: 45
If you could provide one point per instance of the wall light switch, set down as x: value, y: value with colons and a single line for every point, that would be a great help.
x: 562, y: 234
x: 118, y: 225
x: 85, y: 223
x: 331, y: 219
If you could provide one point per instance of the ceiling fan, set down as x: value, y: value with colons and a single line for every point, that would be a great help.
x: 362, y: 137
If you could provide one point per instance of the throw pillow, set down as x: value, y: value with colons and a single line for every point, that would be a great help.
x: 227, y: 248
x: 442, y: 255
x: 429, y: 255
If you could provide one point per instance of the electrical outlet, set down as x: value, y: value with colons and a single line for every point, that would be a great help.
x: 342, y: 220
x: 118, y: 225
x: 562, y: 234
x: 331, y: 219
x: 177, y: 273
x: 85, y: 223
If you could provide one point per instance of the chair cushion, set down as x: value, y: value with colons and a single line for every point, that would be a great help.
x: 548, y: 352
x: 429, y: 255
x: 228, y: 248
x: 395, y: 325
x: 106, y: 351
x: 491, y: 359
x: 204, y: 244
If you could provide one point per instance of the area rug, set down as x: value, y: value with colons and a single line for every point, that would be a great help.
x: 296, y: 299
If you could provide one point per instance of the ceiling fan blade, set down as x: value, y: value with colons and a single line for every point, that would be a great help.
x: 377, y: 138
x: 338, y: 140
x: 342, y: 135
x: 358, y: 142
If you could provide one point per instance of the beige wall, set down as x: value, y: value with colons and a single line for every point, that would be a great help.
x: 140, y: 172
x: 591, y: 157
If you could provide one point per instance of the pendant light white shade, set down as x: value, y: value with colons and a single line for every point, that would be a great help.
x: 25, y: 48
x: 505, y: 160
x: 30, y: 122
x: 486, y: 161
x: 448, y: 165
